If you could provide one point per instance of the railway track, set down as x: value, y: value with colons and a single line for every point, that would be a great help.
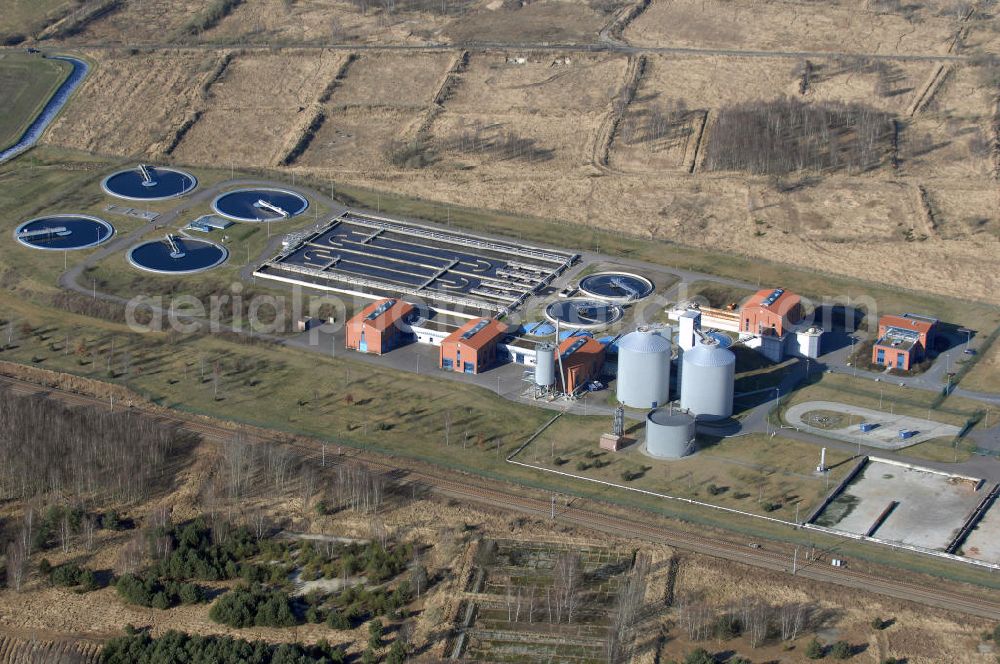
x: 719, y: 547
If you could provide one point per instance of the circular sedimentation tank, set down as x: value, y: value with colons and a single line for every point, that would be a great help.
x: 63, y: 232
x: 724, y: 340
x: 149, y: 183
x: 669, y: 435
x: 643, y: 369
x: 616, y: 286
x: 179, y: 255
x: 579, y: 313
x: 260, y: 204
x: 707, y: 375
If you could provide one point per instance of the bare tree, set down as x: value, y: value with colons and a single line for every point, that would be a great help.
x: 756, y: 624
x: 89, y: 525
x: 565, y: 585
x: 418, y: 573
x: 65, y: 531
x: 631, y: 594
x: 447, y: 428
x: 17, y: 564
x: 308, y: 487
x: 258, y: 523
x: 238, y: 459
x: 131, y: 555
x: 791, y: 620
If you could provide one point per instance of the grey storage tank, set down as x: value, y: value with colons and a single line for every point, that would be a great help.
x: 707, y: 374
x: 669, y: 434
x: 545, y: 365
x: 644, y: 368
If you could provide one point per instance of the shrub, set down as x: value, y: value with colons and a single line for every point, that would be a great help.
x: 375, y: 634
x: 815, y: 650
x: 699, y: 656
x: 996, y: 634
x: 149, y: 591
x: 256, y: 606
x: 71, y: 575
x: 139, y: 646
x: 337, y: 620
x: 841, y: 650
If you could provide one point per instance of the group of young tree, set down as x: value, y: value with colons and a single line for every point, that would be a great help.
x: 786, y: 135
x: 102, y: 455
x: 138, y: 647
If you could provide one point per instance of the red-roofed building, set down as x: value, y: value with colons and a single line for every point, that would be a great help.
x: 903, y: 340
x: 771, y: 312
x: 380, y: 327
x: 473, y: 347
x: 579, y: 361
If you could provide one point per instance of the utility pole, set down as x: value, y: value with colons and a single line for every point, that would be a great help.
x: 795, y: 561
x: 553, y: 507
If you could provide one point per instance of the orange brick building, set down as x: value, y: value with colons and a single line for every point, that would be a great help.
x: 771, y: 311
x: 581, y: 359
x: 903, y: 340
x: 473, y: 347
x: 380, y: 327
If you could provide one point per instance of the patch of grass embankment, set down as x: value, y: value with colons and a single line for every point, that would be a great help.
x: 27, y: 82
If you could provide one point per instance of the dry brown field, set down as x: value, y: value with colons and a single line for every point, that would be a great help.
x: 848, y: 26
x: 138, y: 22
x: 158, y: 22
x: 529, y: 136
x: 393, y: 79
x: 132, y: 102
x: 255, y: 109
x: 354, y: 139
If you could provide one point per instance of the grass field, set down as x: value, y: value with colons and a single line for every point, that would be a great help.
x: 753, y: 473
x: 27, y: 81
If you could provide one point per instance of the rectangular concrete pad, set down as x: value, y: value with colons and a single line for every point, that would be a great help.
x: 983, y: 543
x: 932, y: 507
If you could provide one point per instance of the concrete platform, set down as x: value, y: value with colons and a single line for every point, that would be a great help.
x: 983, y: 543
x: 932, y: 506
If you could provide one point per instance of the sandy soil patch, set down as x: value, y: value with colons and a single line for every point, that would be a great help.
x: 848, y: 26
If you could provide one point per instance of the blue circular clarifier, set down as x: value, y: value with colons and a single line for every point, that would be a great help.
x: 63, y: 232
x: 260, y: 204
x: 149, y: 183
x: 177, y: 255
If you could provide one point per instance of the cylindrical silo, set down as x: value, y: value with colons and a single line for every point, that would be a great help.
x: 545, y: 365
x: 669, y: 435
x: 707, y: 374
x: 643, y: 369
